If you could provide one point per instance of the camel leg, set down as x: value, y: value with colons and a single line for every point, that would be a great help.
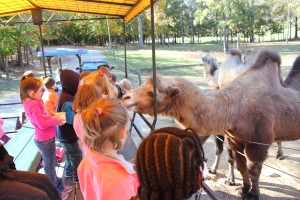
x: 230, y: 179
x: 279, y: 155
x: 219, y: 150
x: 256, y: 155
x: 241, y: 164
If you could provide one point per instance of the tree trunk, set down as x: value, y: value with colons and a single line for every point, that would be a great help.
x: 225, y: 44
x: 140, y: 21
x: 287, y: 24
x: 296, y: 27
x: 27, y: 54
x: 6, y: 67
x: 192, y: 27
x: 20, y: 57
x: 132, y: 32
x: 108, y: 30
x: 238, y: 43
x: 181, y: 23
x: 168, y: 36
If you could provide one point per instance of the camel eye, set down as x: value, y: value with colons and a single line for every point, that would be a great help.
x: 150, y: 94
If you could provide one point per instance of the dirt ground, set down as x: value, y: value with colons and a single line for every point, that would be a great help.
x: 280, y: 179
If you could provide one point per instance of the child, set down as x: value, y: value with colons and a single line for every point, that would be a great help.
x: 103, y: 174
x: 44, y: 125
x: 99, y: 79
x: 13, y: 186
x: 66, y: 134
x: 126, y: 84
x: 168, y: 164
x: 50, y: 97
x: 86, y: 95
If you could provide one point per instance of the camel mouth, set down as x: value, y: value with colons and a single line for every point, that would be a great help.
x: 130, y: 107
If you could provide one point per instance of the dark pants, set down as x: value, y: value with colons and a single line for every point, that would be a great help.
x: 73, y: 158
x: 28, y: 186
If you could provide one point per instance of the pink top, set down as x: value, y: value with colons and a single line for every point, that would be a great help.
x: 79, y: 130
x: 1, y: 130
x: 106, y: 178
x: 43, y: 123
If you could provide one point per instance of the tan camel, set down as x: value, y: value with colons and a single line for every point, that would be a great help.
x: 218, y: 77
x: 254, y: 107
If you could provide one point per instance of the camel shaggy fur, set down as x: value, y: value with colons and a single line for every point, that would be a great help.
x: 228, y: 71
x: 255, y: 107
x: 293, y: 78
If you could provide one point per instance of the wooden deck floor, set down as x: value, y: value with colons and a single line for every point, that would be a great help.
x: 75, y: 194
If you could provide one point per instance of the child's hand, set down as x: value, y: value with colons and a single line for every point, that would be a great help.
x: 61, y: 117
x: 62, y: 121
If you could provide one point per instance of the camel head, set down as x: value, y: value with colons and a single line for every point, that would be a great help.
x: 140, y: 99
x: 210, y: 64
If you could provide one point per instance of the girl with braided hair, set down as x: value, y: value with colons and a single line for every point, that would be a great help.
x: 169, y: 164
x: 103, y: 173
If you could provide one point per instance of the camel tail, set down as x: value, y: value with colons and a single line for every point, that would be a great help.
x: 236, y: 52
x: 295, y: 70
x: 265, y: 56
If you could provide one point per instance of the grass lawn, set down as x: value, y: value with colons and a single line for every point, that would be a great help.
x: 180, y: 55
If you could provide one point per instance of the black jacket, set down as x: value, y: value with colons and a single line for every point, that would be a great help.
x: 69, y: 82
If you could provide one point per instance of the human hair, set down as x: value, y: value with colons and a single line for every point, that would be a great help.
x: 27, y: 84
x: 83, y: 74
x: 114, y: 78
x: 49, y: 82
x: 28, y: 74
x: 101, y: 81
x: 103, y: 65
x: 126, y: 84
x: 103, y: 121
x: 106, y: 71
x: 86, y: 95
x: 168, y: 164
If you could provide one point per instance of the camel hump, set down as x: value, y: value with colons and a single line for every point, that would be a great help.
x: 295, y: 70
x: 265, y: 56
x: 236, y: 52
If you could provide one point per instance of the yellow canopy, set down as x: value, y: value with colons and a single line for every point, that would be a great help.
x: 128, y: 9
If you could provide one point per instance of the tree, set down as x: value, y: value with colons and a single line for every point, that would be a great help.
x: 8, y: 45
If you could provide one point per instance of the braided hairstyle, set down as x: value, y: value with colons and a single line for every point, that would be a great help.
x: 168, y: 164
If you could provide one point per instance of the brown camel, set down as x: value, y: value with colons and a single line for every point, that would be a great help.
x: 218, y: 77
x: 254, y: 107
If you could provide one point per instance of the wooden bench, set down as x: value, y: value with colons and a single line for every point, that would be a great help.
x: 22, y: 147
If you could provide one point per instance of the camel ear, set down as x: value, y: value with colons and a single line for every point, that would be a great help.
x: 173, y: 91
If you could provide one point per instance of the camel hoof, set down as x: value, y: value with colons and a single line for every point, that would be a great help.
x: 212, y: 171
x: 242, y: 192
x: 230, y: 183
x: 280, y: 157
x: 250, y: 196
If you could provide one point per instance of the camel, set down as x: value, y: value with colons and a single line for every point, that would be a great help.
x: 218, y: 78
x: 293, y: 78
x: 254, y: 107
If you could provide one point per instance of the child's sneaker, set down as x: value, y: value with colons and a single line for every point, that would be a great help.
x: 64, y: 195
x: 68, y: 189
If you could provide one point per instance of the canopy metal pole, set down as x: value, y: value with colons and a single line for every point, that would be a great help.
x: 43, y: 53
x: 124, y: 41
x: 153, y: 64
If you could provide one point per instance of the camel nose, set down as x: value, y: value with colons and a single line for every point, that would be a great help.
x: 126, y: 96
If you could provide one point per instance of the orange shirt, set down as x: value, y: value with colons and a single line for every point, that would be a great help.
x: 105, y: 178
x: 50, y: 98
